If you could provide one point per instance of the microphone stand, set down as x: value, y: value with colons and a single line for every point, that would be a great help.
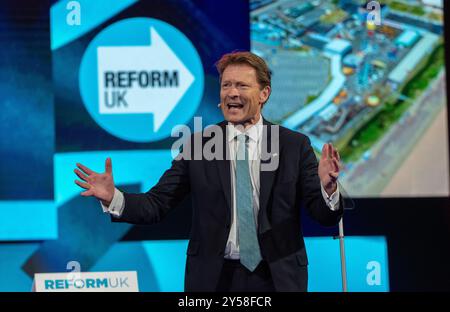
x: 342, y: 251
x: 341, y: 238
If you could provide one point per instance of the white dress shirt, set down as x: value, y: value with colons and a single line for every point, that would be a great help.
x: 254, y: 151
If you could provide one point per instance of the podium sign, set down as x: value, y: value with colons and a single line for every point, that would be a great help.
x: 125, y: 281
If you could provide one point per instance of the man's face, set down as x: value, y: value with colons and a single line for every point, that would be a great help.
x: 240, y: 94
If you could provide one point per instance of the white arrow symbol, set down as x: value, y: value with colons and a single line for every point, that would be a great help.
x: 145, y: 76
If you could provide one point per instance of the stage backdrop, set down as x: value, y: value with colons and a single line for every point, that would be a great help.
x: 99, y: 79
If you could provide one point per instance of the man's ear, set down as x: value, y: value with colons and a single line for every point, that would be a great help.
x: 264, y: 94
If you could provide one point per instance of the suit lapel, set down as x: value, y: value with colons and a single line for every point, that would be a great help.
x: 223, y: 167
x: 266, y: 181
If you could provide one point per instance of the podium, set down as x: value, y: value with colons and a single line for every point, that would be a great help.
x: 124, y: 281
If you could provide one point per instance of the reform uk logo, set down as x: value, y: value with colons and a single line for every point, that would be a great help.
x: 86, y: 282
x: 139, y: 78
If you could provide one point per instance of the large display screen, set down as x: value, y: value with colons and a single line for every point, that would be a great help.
x: 369, y: 77
x: 85, y: 80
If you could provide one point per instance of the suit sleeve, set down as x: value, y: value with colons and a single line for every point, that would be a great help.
x: 151, y: 207
x: 311, y: 190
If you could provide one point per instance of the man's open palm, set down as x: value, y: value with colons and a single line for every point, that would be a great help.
x: 329, y: 166
x: 99, y: 185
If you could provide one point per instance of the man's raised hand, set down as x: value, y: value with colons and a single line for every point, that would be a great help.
x: 99, y: 185
x: 329, y: 166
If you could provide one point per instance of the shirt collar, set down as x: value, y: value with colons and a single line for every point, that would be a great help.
x: 254, y: 132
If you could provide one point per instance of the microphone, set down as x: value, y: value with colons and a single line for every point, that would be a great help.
x: 218, y: 105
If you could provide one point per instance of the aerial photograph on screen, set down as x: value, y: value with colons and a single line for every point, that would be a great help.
x: 368, y: 77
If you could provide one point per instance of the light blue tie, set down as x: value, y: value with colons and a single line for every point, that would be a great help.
x: 249, y: 251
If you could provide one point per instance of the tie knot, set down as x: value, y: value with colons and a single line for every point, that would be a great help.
x: 242, y: 138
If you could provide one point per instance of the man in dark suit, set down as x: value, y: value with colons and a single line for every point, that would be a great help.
x: 246, y: 230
